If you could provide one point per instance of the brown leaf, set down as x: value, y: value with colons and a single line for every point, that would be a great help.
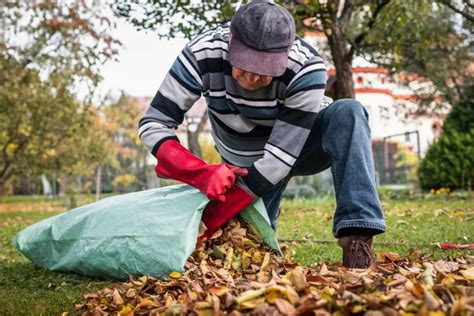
x: 388, y: 256
x: 316, y: 279
x: 219, y: 290
x: 145, y: 303
x: 117, y: 298
x: 323, y: 270
x: 249, y: 295
x: 430, y: 301
x: 298, y: 279
x: 285, y: 307
x: 350, y: 277
x: 235, y: 274
x: 228, y: 258
x: 217, y: 234
x: 265, y: 262
x: 468, y: 274
x: 445, y: 267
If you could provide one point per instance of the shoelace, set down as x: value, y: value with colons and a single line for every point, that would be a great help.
x: 358, y: 248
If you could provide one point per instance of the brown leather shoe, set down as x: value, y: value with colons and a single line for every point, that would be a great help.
x: 357, y: 251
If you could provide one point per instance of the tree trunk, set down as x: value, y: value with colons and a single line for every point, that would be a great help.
x: 98, y: 183
x: 193, y: 136
x: 5, y: 175
x: 342, y: 61
x: 193, y: 143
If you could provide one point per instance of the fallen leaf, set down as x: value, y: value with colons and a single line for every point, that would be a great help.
x: 117, y: 298
x: 285, y: 307
x: 468, y: 274
x: 388, y: 256
x: 175, y: 275
x: 249, y: 295
x: 218, y: 290
x: 298, y: 279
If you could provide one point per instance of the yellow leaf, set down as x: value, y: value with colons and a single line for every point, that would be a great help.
x: 298, y: 279
x: 356, y: 309
x: 174, y: 309
x: 448, y: 280
x: 276, y: 291
x: 249, y: 243
x: 218, y: 290
x: 468, y: 274
x: 253, y: 230
x: 126, y: 309
x: 175, y: 275
x: 249, y: 295
x: 205, y: 312
x: 236, y: 264
x: 228, y: 258
x: 145, y: 303
x: 266, y: 261
x: 293, y: 297
x: 272, y: 295
x: 202, y: 305
x: 136, y: 283
x: 248, y: 305
x: 257, y: 257
x: 246, y: 260
x: 263, y: 276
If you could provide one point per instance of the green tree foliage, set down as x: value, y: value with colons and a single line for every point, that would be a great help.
x: 48, y: 50
x: 431, y: 41
x: 449, y: 161
x: 126, y: 166
x: 388, y: 32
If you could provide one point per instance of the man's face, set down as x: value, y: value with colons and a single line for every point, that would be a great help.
x: 249, y: 80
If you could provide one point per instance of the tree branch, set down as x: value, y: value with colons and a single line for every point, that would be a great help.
x: 346, y: 13
x: 361, y: 37
x: 464, y: 13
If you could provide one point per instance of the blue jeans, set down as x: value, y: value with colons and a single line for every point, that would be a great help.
x: 340, y: 139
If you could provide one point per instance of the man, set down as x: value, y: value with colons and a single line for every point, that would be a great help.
x: 264, y: 87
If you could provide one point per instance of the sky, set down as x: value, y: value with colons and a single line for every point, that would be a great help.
x: 143, y: 62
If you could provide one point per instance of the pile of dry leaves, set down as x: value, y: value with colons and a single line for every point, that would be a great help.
x: 234, y: 273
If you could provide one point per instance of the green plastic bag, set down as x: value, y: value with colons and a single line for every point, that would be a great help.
x: 151, y: 232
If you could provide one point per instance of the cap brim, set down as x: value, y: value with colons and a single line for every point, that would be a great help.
x: 261, y: 63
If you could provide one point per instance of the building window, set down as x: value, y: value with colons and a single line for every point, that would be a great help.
x: 384, y: 114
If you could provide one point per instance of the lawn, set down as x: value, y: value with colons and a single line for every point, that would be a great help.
x: 414, y: 222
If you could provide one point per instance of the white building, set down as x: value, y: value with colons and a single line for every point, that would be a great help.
x: 385, y: 101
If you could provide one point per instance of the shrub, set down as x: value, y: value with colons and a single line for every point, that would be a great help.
x: 449, y: 161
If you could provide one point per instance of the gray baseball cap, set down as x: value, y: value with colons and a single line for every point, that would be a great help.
x: 262, y: 35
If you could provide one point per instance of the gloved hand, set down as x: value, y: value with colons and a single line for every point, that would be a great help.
x: 218, y: 213
x: 176, y: 162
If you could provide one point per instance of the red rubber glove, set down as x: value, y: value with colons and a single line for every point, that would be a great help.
x: 176, y: 162
x: 218, y: 213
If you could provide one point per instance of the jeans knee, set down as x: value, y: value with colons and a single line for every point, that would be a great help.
x: 349, y: 109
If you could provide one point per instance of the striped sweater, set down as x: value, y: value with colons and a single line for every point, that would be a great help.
x: 263, y: 130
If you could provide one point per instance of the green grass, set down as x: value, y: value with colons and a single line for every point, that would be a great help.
x: 26, y: 290
x: 412, y: 223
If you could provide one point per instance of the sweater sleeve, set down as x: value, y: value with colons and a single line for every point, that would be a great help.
x: 291, y: 130
x: 180, y: 89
